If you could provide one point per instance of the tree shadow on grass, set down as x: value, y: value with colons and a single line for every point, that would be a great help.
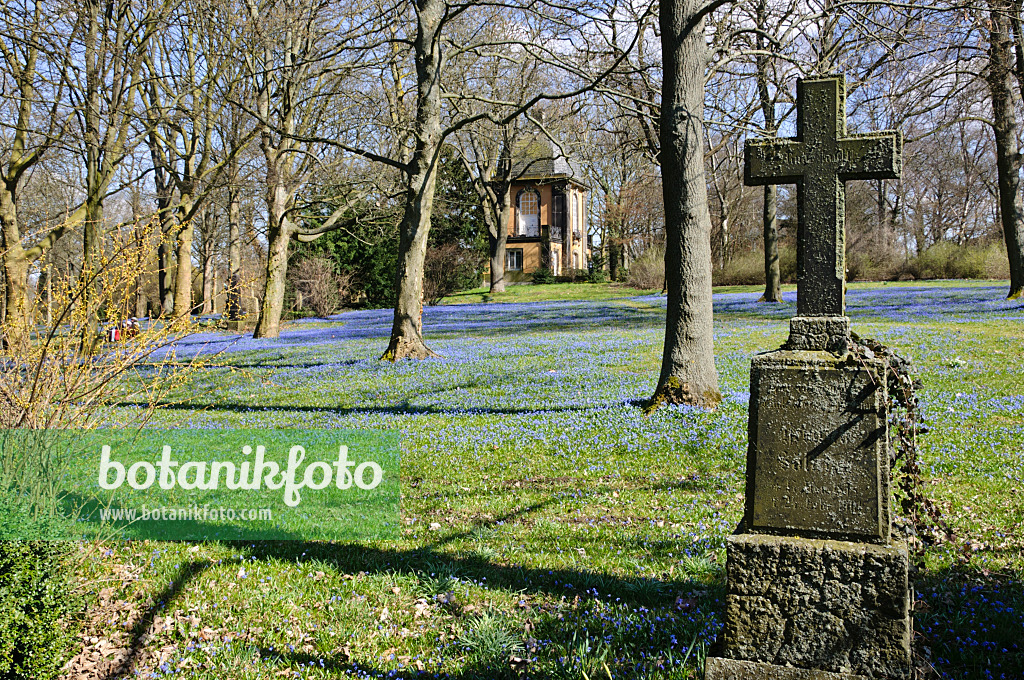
x: 969, y: 623
x: 586, y: 642
x: 397, y: 409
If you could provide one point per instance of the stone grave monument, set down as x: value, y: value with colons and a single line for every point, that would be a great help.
x: 817, y: 587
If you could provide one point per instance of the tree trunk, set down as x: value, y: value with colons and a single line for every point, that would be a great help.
x: 16, y: 316
x: 183, y: 270
x: 724, y: 254
x: 613, y: 261
x: 208, y: 284
x: 164, y: 279
x: 769, y: 211
x: 497, y: 252
x: 91, y: 250
x: 688, y: 373
x: 772, y: 271
x: 269, y: 323
x: 497, y: 239
x: 881, y: 228
x: 234, y: 292
x: 1008, y: 159
x: 407, y: 327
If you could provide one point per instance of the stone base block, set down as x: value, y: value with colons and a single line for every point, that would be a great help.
x: 818, y: 605
x: 235, y: 325
x: 730, y: 669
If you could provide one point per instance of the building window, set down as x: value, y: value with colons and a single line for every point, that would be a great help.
x: 558, y: 223
x: 575, y: 260
x: 579, y: 221
x: 514, y: 260
x: 529, y: 213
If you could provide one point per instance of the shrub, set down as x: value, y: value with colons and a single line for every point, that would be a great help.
x: 745, y: 269
x: 317, y: 286
x: 997, y: 266
x: 597, y: 275
x: 946, y: 260
x: 787, y: 264
x: 647, y: 272
x: 871, y: 264
x: 542, y: 276
x: 38, y: 609
x: 448, y: 269
x: 573, y: 276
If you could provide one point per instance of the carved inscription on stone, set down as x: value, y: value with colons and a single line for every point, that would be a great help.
x: 819, y: 453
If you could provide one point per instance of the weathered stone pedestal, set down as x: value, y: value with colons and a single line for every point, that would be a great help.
x: 817, y: 589
x: 815, y: 605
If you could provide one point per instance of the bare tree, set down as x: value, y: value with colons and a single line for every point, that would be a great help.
x: 35, y: 51
x: 688, y: 373
x: 999, y: 77
x: 439, y: 24
x: 104, y: 90
x: 191, y: 77
x: 296, y: 69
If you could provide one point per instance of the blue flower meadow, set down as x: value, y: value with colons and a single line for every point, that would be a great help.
x: 528, y: 464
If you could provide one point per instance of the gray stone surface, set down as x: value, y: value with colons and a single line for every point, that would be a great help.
x: 817, y: 454
x: 732, y: 669
x: 826, y: 333
x: 819, y: 160
x: 821, y: 605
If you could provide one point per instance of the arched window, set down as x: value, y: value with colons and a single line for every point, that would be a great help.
x: 577, y: 216
x: 529, y: 213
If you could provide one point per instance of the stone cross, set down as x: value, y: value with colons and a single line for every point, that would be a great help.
x: 819, y: 160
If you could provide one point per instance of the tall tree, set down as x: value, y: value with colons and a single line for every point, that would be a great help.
x: 688, y: 373
x: 999, y: 76
x: 190, y: 80
x: 443, y: 25
x: 35, y: 51
x: 295, y: 67
x: 115, y: 42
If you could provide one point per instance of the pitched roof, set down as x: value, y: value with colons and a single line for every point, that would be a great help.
x: 537, y: 157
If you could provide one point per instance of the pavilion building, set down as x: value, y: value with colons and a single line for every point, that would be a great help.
x: 547, y: 225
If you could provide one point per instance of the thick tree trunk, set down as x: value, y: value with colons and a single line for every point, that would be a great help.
x: 688, y: 373
x: 16, y: 316
x: 183, y: 272
x: 497, y: 252
x: 772, y: 270
x: 497, y: 239
x: 1008, y: 158
x: 407, y: 327
x: 269, y: 323
x: 209, y: 283
x: 183, y: 269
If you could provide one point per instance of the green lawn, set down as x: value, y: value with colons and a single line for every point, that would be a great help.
x: 549, y: 528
